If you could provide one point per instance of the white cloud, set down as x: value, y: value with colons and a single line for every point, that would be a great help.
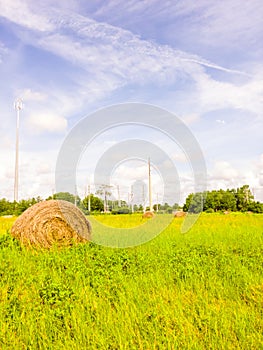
x: 36, y: 173
x: 220, y: 121
x: 22, y: 13
x: 46, y: 122
x: 225, y: 175
x: 224, y: 171
x: 213, y: 95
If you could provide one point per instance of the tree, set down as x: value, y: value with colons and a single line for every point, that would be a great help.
x: 228, y: 201
x: 121, y: 210
x: 156, y: 206
x: 256, y: 207
x: 66, y: 196
x: 243, y: 198
x: 194, y: 203
x: 215, y: 199
x: 16, y: 208
x: 6, y: 207
x: 240, y: 199
x: 188, y: 201
x: 176, y: 206
x: 166, y: 208
x: 140, y: 208
x: 104, y: 191
x: 96, y: 204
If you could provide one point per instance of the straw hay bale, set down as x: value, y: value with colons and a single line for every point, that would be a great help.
x: 179, y: 214
x: 53, y: 222
x: 148, y: 214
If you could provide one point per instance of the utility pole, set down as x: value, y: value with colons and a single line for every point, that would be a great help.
x: 89, y: 198
x: 18, y: 105
x: 105, y: 201
x: 119, y: 200
x: 103, y: 192
x: 131, y: 199
x: 143, y: 198
x: 150, y: 186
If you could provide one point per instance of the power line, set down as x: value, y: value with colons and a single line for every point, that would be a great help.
x: 150, y: 186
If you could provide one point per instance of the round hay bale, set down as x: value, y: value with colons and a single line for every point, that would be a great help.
x: 148, y: 214
x: 179, y: 214
x: 53, y: 222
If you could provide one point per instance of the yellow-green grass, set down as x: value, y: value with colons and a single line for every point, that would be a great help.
x: 6, y: 223
x: 121, y: 221
x: 200, y: 290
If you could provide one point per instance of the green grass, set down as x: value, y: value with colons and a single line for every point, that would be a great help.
x: 200, y: 290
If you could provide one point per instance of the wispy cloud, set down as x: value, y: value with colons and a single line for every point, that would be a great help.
x: 23, y: 14
x: 120, y: 57
x: 119, y: 48
x: 220, y: 21
x: 212, y: 22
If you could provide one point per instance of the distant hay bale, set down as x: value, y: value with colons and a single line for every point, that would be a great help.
x: 148, y: 214
x: 53, y: 222
x: 179, y: 214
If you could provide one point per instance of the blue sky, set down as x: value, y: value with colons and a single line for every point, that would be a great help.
x: 199, y: 60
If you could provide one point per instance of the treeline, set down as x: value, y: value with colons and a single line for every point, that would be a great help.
x: 240, y: 199
x: 95, y: 204
x: 16, y: 208
x: 90, y: 204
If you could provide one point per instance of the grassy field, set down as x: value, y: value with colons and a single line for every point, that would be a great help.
x: 200, y: 290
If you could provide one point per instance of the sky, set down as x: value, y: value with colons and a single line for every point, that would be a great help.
x: 200, y: 60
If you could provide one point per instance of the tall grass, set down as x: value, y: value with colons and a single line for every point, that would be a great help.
x: 200, y: 290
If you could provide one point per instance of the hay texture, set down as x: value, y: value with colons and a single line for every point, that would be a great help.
x: 53, y: 222
x: 179, y: 214
x: 148, y: 214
